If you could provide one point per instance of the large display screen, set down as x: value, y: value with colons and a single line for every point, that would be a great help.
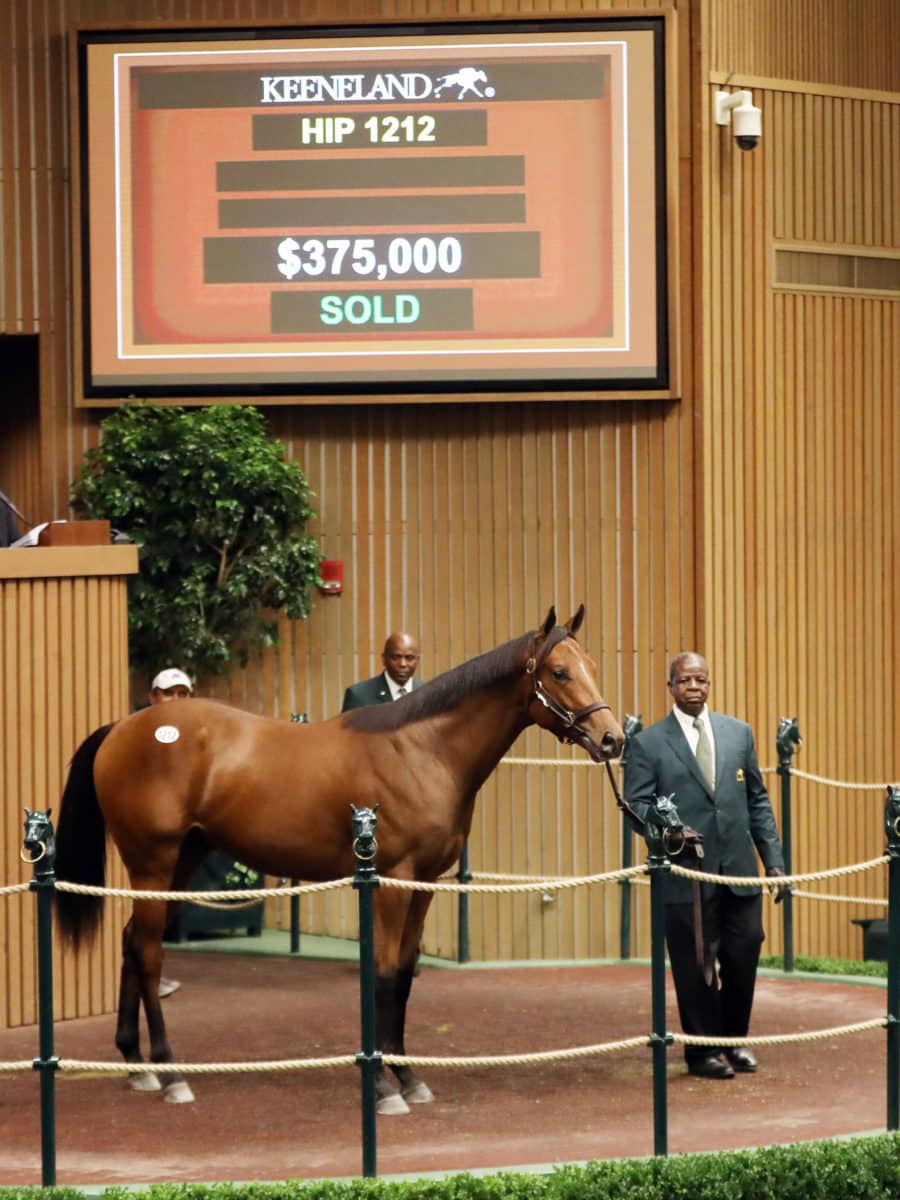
x: 285, y: 213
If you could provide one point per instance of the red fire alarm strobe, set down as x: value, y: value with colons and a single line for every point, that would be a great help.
x: 332, y: 572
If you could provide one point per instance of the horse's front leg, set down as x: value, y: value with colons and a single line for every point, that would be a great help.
x: 402, y: 916
x: 148, y: 925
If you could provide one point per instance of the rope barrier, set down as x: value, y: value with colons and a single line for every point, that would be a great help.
x: 757, y: 881
x: 84, y: 889
x: 795, y: 771
x: 537, y: 883
x: 557, y: 883
x: 14, y: 887
x: 858, y: 787
x: 840, y: 899
x: 477, y: 1060
x: 234, y: 906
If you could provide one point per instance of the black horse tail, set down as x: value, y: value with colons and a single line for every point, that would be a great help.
x: 81, y: 844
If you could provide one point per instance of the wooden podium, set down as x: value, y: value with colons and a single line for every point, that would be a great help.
x: 63, y: 672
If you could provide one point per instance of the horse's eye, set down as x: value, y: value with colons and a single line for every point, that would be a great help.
x: 560, y: 675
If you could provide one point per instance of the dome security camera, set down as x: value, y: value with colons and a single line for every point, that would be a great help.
x: 738, y: 110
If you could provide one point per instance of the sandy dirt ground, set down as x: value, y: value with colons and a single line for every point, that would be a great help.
x: 306, y: 1124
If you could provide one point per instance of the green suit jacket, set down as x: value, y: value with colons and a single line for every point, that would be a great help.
x: 735, y: 819
x: 371, y: 691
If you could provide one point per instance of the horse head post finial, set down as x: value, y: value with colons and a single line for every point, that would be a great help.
x: 786, y: 740
x: 39, y: 843
x: 892, y: 820
x: 364, y: 844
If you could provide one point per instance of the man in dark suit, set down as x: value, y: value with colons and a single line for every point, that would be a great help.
x: 401, y: 658
x: 707, y: 762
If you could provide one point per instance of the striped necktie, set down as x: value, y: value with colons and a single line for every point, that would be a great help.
x: 704, y: 753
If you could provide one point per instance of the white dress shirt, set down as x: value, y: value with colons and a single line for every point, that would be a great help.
x: 398, y: 689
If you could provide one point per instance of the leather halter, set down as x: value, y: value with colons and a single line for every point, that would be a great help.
x: 572, y: 732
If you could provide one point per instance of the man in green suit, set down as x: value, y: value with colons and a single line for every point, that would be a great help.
x: 707, y: 763
x: 401, y: 658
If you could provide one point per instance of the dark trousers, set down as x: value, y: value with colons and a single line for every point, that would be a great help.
x: 733, y: 935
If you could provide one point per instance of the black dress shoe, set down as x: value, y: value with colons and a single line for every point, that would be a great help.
x: 742, y: 1060
x: 711, y: 1066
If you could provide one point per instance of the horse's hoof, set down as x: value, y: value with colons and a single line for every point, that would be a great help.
x: 144, y: 1081
x: 392, y: 1106
x: 178, y: 1093
x: 418, y: 1093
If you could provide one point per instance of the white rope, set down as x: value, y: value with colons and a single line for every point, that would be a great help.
x: 843, y: 899
x: 778, y: 880
x: 551, y: 762
x: 585, y: 762
x: 14, y: 887
x: 83, y: 889
x: 413, y: 885
x: 513, y: 1060
x: 234, y: 906
x: 783, y: 1039
x: 414, y: 1060
x: 858, y: 787
x: 226, y: 1068
x: 481, y: 1060
x: 539, y: 883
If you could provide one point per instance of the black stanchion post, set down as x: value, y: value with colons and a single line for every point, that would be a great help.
x: 295, y: 919
x: 301, y: 718
x: 463, y: 875
x: 786, y: 741
x: 369, y: 1059
x: 892, y: 829
x: 39, y: 848
x: 662, y: 822
x: 630, y: 727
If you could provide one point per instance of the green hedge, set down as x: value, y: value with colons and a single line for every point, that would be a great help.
x: 864, y: 1168
x: 871, y: 968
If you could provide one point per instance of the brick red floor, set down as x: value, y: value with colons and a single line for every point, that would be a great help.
x: 307, y: 1124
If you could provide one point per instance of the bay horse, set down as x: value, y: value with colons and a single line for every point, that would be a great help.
x: 171, y: 782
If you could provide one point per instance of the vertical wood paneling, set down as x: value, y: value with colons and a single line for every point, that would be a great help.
x: 826, y: 41
x: 39, y: 618
x: 799, y: 422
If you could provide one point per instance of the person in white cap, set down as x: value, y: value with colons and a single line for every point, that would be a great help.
x: 170, y: 684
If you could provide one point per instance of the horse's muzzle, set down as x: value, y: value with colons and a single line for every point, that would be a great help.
x: 609, y: 746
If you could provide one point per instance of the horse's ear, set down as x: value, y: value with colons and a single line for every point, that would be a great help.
x: 574, y: 623
x: 550, y: 622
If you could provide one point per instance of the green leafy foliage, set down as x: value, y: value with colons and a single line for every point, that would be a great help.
x: 219, y: 516
x: 865, y: 1168
x: 871, y: 968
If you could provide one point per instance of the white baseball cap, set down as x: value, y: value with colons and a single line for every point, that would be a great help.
x: 170, y: 678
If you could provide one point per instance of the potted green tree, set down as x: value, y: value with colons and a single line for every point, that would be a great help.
x: 219, y: 515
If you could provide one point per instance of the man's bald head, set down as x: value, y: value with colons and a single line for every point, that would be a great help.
x: 401, y: 657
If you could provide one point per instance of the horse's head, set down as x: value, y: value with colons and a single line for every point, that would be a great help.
x: 39, y: 840
x: 566, y: 696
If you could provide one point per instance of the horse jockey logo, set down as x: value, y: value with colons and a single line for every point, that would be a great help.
x: 467, y: 80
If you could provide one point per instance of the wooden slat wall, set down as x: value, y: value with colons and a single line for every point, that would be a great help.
x: 799, y: 418
x: 63, y: 673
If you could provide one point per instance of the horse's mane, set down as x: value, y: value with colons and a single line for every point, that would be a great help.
x: 442, y: 692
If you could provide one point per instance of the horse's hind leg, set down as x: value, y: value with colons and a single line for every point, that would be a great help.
x: 145, y: 953
x: 127, y: 1028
